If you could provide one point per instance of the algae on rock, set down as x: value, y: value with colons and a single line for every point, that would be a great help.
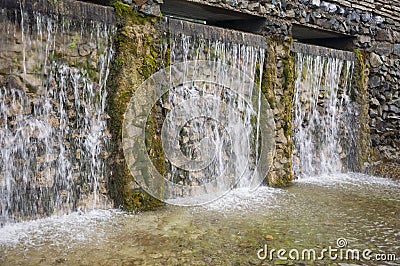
x: 136, y: 59
x: 278, y: 88
x: 364, y: 150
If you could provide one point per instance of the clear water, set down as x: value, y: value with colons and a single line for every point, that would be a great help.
x: 312, y: 213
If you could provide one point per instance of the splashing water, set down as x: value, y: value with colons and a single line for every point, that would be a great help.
x: 53, y: 134
x: 221, y: 134
x: 323, y: 133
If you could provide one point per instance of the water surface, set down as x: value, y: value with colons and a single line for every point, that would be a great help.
x: 311, y: 214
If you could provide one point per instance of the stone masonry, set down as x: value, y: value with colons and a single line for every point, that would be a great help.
x: 372, y: 26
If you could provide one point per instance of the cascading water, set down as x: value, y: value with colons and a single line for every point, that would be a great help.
x: 53, y: 134
x: 323, y: 115
x: 221, y: 134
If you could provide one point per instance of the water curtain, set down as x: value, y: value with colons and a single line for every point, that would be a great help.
x: 324, y: 114
x: 53, y: 134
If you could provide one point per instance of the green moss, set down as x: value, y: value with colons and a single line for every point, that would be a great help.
x: 364, y: 150
x: 87, y: 67
x: 136, y: 59
x: 154, y: 144
x: 140, y: 201
x: 126, y: 15
x: 149, y: 64
x: 74, y: 42
x: 122, y: 10
x: 167, y: 58
x: 288, y: 73
x: 31, y: 89
x: 56, y: 56
x: 269, y: 76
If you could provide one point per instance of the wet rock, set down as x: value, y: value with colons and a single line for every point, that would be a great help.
x: 14, y: 82
x: 378, y: 19
x: 316, y: 15
x: 364, y: 39
x: 374, y: 81
x: 140, y: 2
x: 332, y: 8
x: 254, y: 6
x: 396, y: 49
x: 384, y: 48
x: 373, y: 113
x: 375, y: 60
x: 232, y: 2
x: 269, y: 237
x: 354, y: 16
x: 374, y: 102
x: 394, y: 109
x: 244, y: 4
x: 152, y: 10
x: 394, y: 117
x: 396, y: 36
x: 315, y: 3
x: 341, y: 11
x: 366, y: 17
x: 281, y: 138
x: 384, y: 35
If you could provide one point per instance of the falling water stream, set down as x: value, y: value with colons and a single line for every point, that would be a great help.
x: 227, y: 125
x: 323, y: 112
x: 53, y: 133
x: 53, y: 153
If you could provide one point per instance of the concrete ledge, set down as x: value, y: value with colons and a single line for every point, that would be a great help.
x: 322, y: 51
x: 213, y: 33
x: 73, y: 9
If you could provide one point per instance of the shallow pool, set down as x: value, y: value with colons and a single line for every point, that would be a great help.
x: 344, y: 219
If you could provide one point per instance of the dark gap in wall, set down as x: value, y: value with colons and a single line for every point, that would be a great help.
x: 323, y: 38
x: 213, y: 16
x: 335, y: 43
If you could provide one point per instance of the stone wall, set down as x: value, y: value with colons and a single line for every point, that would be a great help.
x: 370, y: 26
x: 374, y: 27
x: 71, y: 9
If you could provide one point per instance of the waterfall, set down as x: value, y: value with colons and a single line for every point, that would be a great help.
x: 53, y: 135
x: 220, y: 135
x: 323, y: 115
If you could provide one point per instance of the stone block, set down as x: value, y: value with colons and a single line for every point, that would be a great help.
x: 384, y: 48
x: 364, y: 39
x: 384, y: 35
x: 315, y: 3
x: 374, y: 81
x: 396, y: 49
x: 375, y: 60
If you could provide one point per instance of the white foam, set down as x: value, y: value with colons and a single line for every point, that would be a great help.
x: 246, y: 199
x: 353, y: 179
x: 72, y: 228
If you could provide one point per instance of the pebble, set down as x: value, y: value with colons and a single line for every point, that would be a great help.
x: 269, y: 237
